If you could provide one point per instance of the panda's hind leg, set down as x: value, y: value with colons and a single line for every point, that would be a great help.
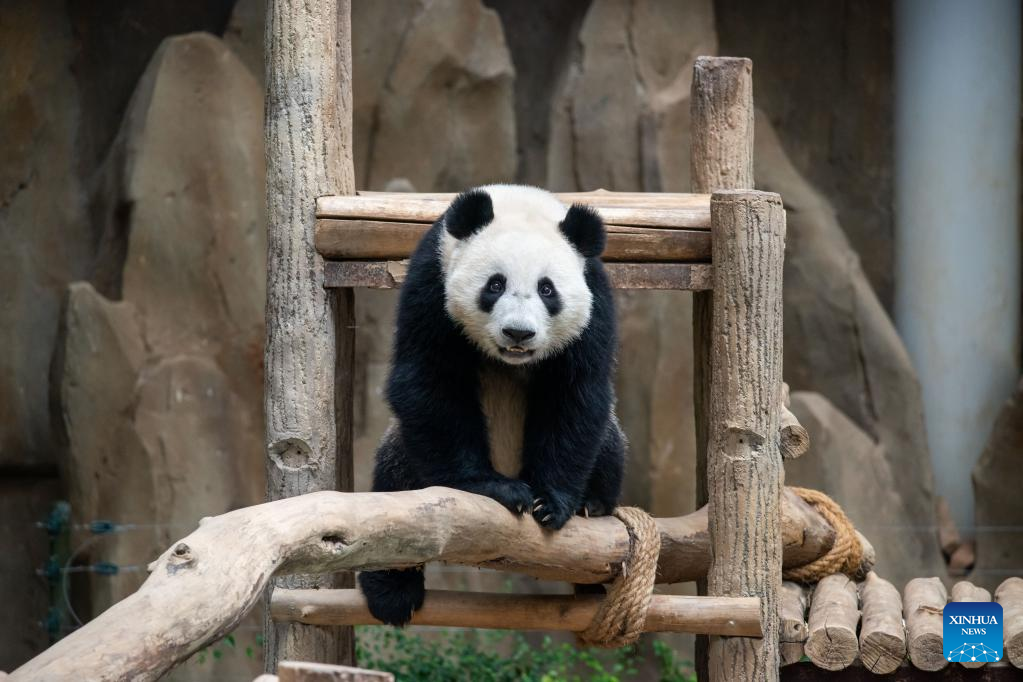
x: 393, y: 595
x: 605, y: 484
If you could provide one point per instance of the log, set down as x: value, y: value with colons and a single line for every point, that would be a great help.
x: 791, y: 652
x: 690, y: 211
x: 792, y: 613
x: 965, y: 591
x: 882, y: 633
x: 1010, y: 595
x: 571, y: 613
x: 834, y: 615
x: 869, y: 557
x: 294, y: 671
x: 721, y: 157
x: 795, y: 440
x: 391, y: 275
x: 922, y: 602
x: 744, y: 465
x: 200, y: 588
x: 373, y: 239
x: 308, y: 135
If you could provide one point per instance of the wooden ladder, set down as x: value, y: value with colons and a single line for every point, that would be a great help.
x: 725, y: 242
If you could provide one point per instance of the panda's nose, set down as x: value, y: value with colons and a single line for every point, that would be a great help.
x: 518, y: 335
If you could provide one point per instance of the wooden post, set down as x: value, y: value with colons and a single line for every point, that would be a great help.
x: 744, y: 466
x: 721, y: 157
x: 308, y: 129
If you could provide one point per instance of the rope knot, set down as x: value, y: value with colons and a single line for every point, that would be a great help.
x: 621, y: 616
x: 845, y: 556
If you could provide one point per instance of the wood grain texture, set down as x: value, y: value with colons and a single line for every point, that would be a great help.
x: 391, y: 275
x: 834, y: 615
x: 922, y: 602
x: 882, y: 634
x: 720, y: 157
x: 744, y: 470
x: 200, y: 588
x: 571, y: 613
x: 343, y: 239
x: 637, y: 209
x: 344, y: 420
x: 1010, y: 595
x: 309, y: 153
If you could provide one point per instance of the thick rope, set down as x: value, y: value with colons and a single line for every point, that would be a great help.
x: 845, y: 555
x: 620, y: 618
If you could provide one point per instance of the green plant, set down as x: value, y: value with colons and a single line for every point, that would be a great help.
x: 499, y: 656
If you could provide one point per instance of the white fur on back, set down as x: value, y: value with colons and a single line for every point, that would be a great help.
x: 524, y: 243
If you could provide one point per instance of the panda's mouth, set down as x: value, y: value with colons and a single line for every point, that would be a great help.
x: 516, y: 352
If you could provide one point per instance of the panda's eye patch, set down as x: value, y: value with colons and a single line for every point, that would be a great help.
x: 549, y: 296
x: 491, y: 292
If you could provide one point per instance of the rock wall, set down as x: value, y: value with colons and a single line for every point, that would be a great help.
x: 161, y: 390
x: 68, y: 71
x: 834, y: 112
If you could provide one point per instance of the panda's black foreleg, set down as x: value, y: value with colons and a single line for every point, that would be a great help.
x: 605, y: 484
x: 564, y: 435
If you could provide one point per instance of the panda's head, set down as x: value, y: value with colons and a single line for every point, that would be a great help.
x: 514, y: 261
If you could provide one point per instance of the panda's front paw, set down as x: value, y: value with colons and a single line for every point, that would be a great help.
x: 514, y: 494
x: 595, y: 507
x: 552, y: 510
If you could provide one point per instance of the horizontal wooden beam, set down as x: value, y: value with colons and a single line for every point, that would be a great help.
x: 391, y: 275
x: 343, y: 239
x: 202, y: 585
x: 739, y: 616
x: 690, y: 211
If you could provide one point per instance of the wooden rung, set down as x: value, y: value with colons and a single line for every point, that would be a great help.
x: 630, y: 209
x: 341, y: 239
x: 728, y: 616
x: 391, y: 274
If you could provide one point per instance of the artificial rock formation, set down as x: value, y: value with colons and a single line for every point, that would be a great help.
x: 856, y: 471
x: 160, y: 391
x: 997, y: 480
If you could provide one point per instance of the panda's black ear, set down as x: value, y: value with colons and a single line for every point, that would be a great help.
x: 469, y: 213
x: 585, y: 230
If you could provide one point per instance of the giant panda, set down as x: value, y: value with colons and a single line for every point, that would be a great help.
x: 502, y: 381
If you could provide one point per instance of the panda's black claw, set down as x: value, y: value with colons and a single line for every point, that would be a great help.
x: 512, y: 493
x: 553, y: 511
x: 592, y: 508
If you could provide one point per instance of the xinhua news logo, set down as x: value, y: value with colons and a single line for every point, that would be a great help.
x: 972, y: 631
